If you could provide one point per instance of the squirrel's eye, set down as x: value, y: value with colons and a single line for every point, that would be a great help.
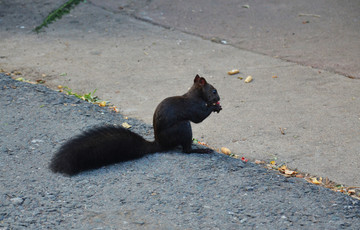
x: 214, y: 91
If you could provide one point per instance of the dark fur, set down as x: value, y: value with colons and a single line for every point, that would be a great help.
x: 107, y: 145
x: 98, y: 147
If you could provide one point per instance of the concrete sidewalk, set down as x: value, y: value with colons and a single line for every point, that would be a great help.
x: 135, y: 64
x: 323, y: 34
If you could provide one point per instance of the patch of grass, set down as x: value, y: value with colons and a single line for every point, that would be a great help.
x: 58, y: 13
x: 89, y: 97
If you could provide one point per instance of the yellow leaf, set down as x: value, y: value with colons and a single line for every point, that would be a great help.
x: 273, y: 162
x: 283, y: 168
x: 315, y: 181
x: 114, y: 108
x: 289, y: 172
x: 286, y: 171
x: 125, y: 125
x: 202, y: 143
x: 102, y: 104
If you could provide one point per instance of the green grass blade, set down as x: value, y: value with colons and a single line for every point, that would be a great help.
x: 58, y: 13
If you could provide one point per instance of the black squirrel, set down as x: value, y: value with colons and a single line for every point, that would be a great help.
x: 106, y: 145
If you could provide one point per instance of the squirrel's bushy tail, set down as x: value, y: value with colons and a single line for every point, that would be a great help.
x: 98, y: 147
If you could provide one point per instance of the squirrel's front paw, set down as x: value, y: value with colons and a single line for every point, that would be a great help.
x: 217, y: 107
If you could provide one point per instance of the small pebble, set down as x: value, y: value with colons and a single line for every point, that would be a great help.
x: 17, y: 200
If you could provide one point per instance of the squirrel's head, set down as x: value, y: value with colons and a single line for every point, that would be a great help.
x: 208, y: 92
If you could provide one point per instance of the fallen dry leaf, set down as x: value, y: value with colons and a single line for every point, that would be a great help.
x: 40, y: 81
x: 290, y: 172
x: 282, y: 131
x: 114, y: 108
x: 315, y: 181
x: 310, y: 15
x: 202, y: 143
x: 259, y: 162
x: 282, y: 168
x: 102, y: 104
x: 126, y: 125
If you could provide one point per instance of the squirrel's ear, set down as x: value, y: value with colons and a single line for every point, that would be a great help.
x: 202, y: 81
x: 197, y: 78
